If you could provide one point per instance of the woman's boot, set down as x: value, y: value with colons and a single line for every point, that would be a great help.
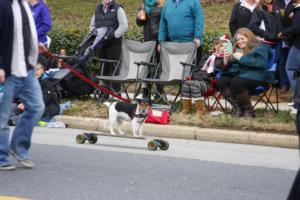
x: 236, y: 110
x: 243, y: 100
x: 200, y: 107
x: 186, y: 106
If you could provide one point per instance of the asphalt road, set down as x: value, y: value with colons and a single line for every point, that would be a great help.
x: 116, y: 168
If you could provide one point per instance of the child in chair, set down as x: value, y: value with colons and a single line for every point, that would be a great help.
x: 201, y: 76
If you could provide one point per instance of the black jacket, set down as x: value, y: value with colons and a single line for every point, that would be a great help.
x: 294, y: 30
x: 272, y: 23
x: 151, y: 24
x: 240, y: 17
x: 6, y: 35
x: 285, y: 10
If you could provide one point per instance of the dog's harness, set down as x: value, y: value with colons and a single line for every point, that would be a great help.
x: 140, y: 116
x: 130, y: 110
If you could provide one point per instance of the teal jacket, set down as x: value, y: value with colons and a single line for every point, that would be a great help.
x: 254, y: 65
x: 181, y: 22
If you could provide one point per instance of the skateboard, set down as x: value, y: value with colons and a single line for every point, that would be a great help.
x: 153, y: 144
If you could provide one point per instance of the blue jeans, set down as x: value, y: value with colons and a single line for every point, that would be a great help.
x: 292, y: 65
x: 282, y: 54
x: 28, y: 90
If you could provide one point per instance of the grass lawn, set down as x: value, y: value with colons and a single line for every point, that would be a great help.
x: 76, y: 14
x: 282, y: 122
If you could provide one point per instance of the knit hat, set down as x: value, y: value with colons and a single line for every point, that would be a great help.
x: 225, y: 38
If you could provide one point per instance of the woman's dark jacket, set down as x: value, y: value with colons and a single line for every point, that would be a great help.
x: 6, y: 35
x: 151, y: 24
x: 240, y: 17
x: 272, y: 22
x: 294, y: 30
x: 253, y: 65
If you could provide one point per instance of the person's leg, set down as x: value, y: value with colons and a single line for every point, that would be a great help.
x: 31, y: 96
x: 198, y: 88
x: 113, y: 52
x: 224, y: 84
x: 186, y: 97
x: 293, y: 64
x: 240, y: 88
x: 5, y: 107
x: 282, y: 54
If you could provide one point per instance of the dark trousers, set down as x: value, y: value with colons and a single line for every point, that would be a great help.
x: 238, y: 85
x: 111, y: 49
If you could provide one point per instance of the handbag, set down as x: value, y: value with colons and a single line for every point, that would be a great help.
x: 158, y: 116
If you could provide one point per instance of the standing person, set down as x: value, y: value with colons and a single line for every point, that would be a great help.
x: 293, y: 32
x: 246, y: 69
x: 149, y: 18
x: 265, y: 22
x: 111, y: 15
x: 182, y: 21
x: 241, y: 15
x: 285, y: 7
x: 42, y: 19
x: 18, y: 56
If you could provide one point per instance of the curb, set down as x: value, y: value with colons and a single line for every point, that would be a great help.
x: 192, y: 133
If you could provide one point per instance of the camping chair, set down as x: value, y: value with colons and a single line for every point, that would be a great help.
x: 212, y: 97
x: 129, y: 71
x: 264, y: 93
x: 170, y: 71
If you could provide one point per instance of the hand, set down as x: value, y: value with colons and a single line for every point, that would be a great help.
x: 197, y: 42
x: 21, y: 107
x: 2, y: 76
x: 42, y: 48
x: 280, y: 36
x: 141, y: 15
x: 237, y: 55
x: 158, y: 48
x: 291, y: 15
x: 111, y: 35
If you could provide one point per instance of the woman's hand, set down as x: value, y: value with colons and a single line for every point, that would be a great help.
x: 227, y: 57
x: 2, y: 76
x: 237, y: 55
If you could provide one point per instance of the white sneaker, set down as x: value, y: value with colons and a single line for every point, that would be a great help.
x: 293, y: 111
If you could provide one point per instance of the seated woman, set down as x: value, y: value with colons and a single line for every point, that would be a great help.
x: 246, y: 69
x: 199, y: 82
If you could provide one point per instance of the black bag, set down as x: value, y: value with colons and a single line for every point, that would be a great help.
x: 50, y: 98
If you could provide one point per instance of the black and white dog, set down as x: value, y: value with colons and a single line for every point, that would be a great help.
x: 136, y: 113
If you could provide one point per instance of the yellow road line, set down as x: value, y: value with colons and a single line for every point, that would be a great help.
x: 11, y: 198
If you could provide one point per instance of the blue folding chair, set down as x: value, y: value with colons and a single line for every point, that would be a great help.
x: 262, y: 91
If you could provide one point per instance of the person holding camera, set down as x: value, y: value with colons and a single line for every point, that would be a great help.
x: 246, y: 68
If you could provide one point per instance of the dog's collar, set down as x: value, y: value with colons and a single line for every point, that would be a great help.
x: 140, y: 115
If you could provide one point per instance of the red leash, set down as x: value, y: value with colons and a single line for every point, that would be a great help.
x: 84, y: 78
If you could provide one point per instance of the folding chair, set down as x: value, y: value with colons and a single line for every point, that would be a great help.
x: 129, y: 72
x: 170, y: 71
x: 264, y: 93
x: 212, y: 98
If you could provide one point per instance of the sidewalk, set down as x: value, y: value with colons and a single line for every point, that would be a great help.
x: 187, y: 132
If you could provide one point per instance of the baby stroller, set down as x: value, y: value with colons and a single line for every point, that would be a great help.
x: 65, y: 80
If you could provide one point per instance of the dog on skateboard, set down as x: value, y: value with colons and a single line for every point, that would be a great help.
x: 136, y: 113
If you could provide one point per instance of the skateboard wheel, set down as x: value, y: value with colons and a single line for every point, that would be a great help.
x: 163, y: 145
x: 80, y: 139
x: 92, y: 139
x: 152, y: 146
